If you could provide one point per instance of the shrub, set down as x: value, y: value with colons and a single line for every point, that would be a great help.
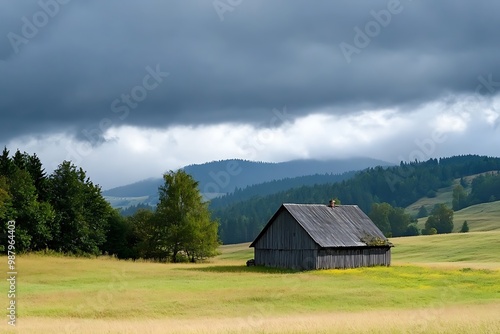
x: 371, y: 240
x: 411, y: 230
x: 429, y: 231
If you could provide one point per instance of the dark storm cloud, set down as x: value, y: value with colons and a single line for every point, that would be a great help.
x: 68, y: 74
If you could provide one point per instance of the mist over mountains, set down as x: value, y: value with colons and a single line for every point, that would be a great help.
x: 218, y: 178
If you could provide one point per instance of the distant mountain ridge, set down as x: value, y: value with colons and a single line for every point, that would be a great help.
x: 136, y: 189
x: 399, y: 186
x: 271, y: 187
x: 221, y: 177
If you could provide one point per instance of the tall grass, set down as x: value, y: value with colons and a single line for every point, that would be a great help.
x: 104, y: 295
x: 90, y: 288
x: 442, y: 320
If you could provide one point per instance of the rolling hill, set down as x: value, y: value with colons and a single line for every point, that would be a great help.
x: 480, y: 217
x: 218, y: 178
x: 406, y: 185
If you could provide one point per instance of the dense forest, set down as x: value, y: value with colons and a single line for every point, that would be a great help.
x: 272, y: 187
x: 66, y: 213
x: 63, y: 211
x: 399, y: 186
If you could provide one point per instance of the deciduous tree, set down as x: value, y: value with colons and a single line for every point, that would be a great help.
x: 459, y: 198
x: 441, y: 218
x: 182, y: 219
x: 380, y: 216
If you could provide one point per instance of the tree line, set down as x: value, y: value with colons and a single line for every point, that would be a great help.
x: 274, y: 186
x: 66, y: 212
x: 483, y: 188
x: 398, y: 186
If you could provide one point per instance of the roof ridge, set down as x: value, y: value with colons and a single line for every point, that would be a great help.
x: 318, y: 204
x: 342, y: 226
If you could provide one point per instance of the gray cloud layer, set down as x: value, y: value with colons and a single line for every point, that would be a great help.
x: 66, y: 75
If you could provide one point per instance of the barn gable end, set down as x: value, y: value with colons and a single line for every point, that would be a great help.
x: 285, y: 244
x: 312, y: 236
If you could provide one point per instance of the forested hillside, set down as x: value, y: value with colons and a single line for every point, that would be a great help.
x: 399, y: 186
x: 66, y: 212
x: 225, y: 176
x: 271, y: 187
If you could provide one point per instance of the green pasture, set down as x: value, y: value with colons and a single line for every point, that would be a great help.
x: 480, y: 217
x: 109, y: 288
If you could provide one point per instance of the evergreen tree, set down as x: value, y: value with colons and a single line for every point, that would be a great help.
x: 463, y: 182
x: 465, y: 227
x: 34, y: 167
x: 20, y: 160
x: 5, y: 199
x: 422, y: 212
x: 485, y: 188
x: 6, y: 165
x: 30, y: 232
x: 81, y: 212
x: 121, y: 238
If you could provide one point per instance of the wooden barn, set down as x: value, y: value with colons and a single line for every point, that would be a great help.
x: 319, y: 236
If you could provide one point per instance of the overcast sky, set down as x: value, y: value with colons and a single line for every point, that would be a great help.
x: 130, y: 89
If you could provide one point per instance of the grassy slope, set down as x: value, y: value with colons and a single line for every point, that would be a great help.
x: 443, y: 195
x: 105, y: 292
x: 480, y: 217
x: 479, y: 248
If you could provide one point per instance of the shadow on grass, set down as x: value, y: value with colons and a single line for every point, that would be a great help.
x: 242, y: 269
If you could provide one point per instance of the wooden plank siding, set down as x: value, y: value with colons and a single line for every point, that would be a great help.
x: 285, y: 233
x: 353, y: 257
x: 334, y: 258
x: 292, y: 259
x: 309, y: 236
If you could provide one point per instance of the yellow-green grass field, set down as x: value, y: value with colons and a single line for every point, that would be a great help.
x: 437, y: 284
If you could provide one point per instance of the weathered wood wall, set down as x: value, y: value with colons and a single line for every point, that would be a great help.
x: 285, y: 244
x: 291, y: 259
x: 285, y: 233
x: 353, y: 257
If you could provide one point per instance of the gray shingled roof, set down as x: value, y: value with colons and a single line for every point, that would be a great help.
x: 341, y: 226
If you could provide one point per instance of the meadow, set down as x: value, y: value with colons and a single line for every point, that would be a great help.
x: 437, y: 284
x: 479, y: 217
